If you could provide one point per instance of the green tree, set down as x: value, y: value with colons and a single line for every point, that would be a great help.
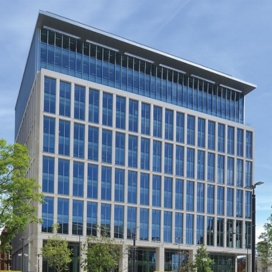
x: 56, y: 251
x: 202, y: 261
x: 102, y: 252
x: 17, y: 192
x: 264, y: 246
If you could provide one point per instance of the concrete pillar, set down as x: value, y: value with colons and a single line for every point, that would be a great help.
x: 160, y: 259
x: 123, y: 261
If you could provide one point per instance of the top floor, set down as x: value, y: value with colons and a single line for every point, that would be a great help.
x: 68, y: 47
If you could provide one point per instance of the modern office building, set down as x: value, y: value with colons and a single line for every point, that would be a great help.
x: 125, y: 136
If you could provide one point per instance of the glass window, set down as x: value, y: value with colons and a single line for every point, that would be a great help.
x: 48, y: 134
x: 118, y: 221
x: 49, y: 95
x: 132, y: 187
x: 144, y: 189
x: 131, y: 222
x: 240, y: 145
x: 48, y: 175
x: 190, y: 196
x: 157, y: 122
x: 106, y: 218
x: 190, y: 130
x: 200, y: 197
x: 157, y: 156
x: 168, y: 158
x: 220, y: 169
x: 210, y: 231
x: 63, y: 177
x: 106, y: 183
x: 180, y: 127
x: 220, y: 232
x: 64, y: 137
x: 93, y: 106
x: 120, y: 148
x: 168, y: 196
x: 210, y: 199
x: 92, y: 183
x: 230, y: 201
x: 156, y: 191
x: 229, y: 231
x: 239, y: 234
x: 145, y: 119
x: 230, y: 140
x: 249, y: 144
x: 47, y: 214
x: 119, y: 185
x: 179, y: 160
x: 190, y: 163
x: 168, y: 125
x: 189, y: 229
x: 65, y: 99
x: 230, y: 171
x: 167, y: 228
x: 93, y: 136
x: 179, y: 228
x: 120, y: 112
x: 221, y: 138
x: 220, y: 200
x: 106, y: 146
x: 239, y: 203
x: 132, y: 151
x: 201, y: 133
x: 200, y: 165
x: 78, y: 178
x: 79, y: 133
x: 77, y: 223
x: 133, y: 115
x: 144, y: 224
x: 248, y: 204
x: 79, y: 109
x: 239, y: 173
x: 211, y: 166
x: 211, y: 135
x: 200, y: 229
x: 179, y: 194
x: 145, y: 156
x: 63, y: 215
x: 107, y: 109
x: 156, y: 225
x: 248, y: 173
x: 91, y: 218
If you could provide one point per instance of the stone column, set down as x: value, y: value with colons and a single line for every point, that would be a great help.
x: 160, y: 259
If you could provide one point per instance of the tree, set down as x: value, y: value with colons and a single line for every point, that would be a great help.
x: 202, y: 261
x: 102, y: 252
x: 264, y: 246
x: 56, y: 251
x: 17, y: 192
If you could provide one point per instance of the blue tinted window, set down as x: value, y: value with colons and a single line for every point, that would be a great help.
x: 131, y: 222
x: 200, y: 165
x: 120, y: 148
x: 144, y: 189
x: 168, y: 195
x: 107, y: 109
x: 47, y: 214
x: 167, y: 227
x: 239, y: 203
x: 200, y: 197
x: 63, y: 177
x: 132, y: 151
x: 156, y: 225
x: 210, y: 231
x: 119, y: 185
x: 221, y: 138
x: 48, y: 134
x: 240, y: 140
x: 179, y: 238
x: 145, y: 119
x: 189, y: 229
x: 132, y: 187
x: 64, y: 137
x: 168, y: 125
x: 92, y: 183
x: 49, y: 95
x: 93, y: 106
x: 120, y: 112
x: 211, y: 166
x: 220, y: 200
x: 63, y: 215
x: 157, y: 122
x: 106, y: 218
x: 180, y: 127
x: 230, y: 201
x: 93, y: 136
x: 179, y: 160
x: 106, y: 146
x: 106, y: 183
x: 78, y: 179
x: 157, y: 156
x: 145, y: 156
x: 190, y: 196
x: 230, y: 171
x: 199, y: 229
x: 211, y: 135
x: 79, y: 131
x: 79, y: 109
x: 201, y: 133
x: 239, y: 173
x: 248, y: 204
x: 133, y: 115
x: 249, y: 144
x: 156, y: 191
x: 118, y: 221
x: 168, y: 158
x: 221, y: 169
x: 91, y: 218
x: 210, y: 199
x: 190, y: 130
x: 65, y: 99
x: 48, y: 175
x: 179, y: 194
x: 230, y: 140
x: 77, y: 218
x: 190, y: 163
x: 144, y: 224
x: 248, y: 173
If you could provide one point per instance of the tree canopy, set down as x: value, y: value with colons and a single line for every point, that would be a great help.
x: 17, y: 192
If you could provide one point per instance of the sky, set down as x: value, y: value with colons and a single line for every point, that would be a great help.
x: 230, y: 36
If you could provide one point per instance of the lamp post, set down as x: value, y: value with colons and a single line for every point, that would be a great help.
x: 39, y: 262
x: 179, y: 259
x: 22, y: 239
x: 134, y: 252
x: 253, y: 221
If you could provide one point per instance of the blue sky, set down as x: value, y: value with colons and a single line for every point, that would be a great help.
x: 231, y: 36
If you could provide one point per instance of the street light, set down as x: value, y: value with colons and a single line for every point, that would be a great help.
x: 253, y: 221
x: 22, y: 254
